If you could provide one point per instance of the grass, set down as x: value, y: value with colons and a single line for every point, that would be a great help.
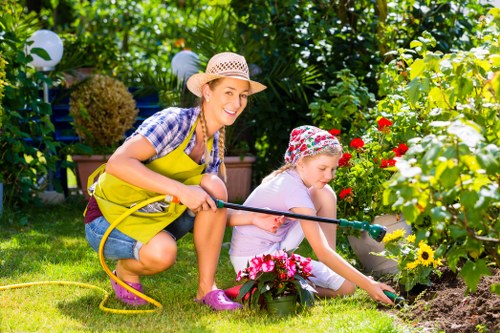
x: 52, y: 247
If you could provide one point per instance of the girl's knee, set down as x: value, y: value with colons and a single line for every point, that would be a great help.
x: 347, y: 288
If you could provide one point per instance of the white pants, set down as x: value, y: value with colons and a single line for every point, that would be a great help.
x: 323, y: 276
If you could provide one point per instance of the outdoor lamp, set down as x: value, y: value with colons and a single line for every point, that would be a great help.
x: 185, y: 64
x: 50, y: 42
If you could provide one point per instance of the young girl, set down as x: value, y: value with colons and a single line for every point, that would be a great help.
x: 175, y: 152
x: 301, y: 186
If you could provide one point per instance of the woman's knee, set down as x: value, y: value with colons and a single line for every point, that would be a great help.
x: 160, y: 253
x: 214, y: 186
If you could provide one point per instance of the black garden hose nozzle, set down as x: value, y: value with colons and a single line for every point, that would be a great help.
x: 377, y: 232
x: 396, y: 299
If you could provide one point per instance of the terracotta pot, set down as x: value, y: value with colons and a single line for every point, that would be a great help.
x: 85, y: 165
x: 239, y: 177
x: 364, y: 245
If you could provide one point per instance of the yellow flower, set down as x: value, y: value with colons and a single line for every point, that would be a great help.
x: 393, y: 236
x: 411, y: 238
x: 412, y: 265
x: 425, y: 254
x: 437, y: 262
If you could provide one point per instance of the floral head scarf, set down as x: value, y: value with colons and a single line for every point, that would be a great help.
x: 307, y: 141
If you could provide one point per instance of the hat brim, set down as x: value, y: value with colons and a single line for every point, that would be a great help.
x: 196, y: 81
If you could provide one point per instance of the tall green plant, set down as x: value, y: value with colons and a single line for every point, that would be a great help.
x: 27, y: 148
x: 447, y: 185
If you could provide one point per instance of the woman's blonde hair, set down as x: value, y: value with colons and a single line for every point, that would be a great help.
x: 222, y: 135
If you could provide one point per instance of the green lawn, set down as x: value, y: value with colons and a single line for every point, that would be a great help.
x: 53, y: 247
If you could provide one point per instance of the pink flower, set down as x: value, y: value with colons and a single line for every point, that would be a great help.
x: 268, y: 266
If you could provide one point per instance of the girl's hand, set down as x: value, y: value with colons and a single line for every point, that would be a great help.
x: 196, y: 199
x: 269, y: 223
x: 376, y: 291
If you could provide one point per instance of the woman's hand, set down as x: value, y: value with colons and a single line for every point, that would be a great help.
x: 197, y: 199
x: 269, y: 223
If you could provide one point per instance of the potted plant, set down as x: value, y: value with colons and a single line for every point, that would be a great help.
x: 281, y: 278
x: 364, y: 169
x: 103, y: 110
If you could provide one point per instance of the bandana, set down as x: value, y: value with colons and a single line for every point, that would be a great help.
x: 308, y: 141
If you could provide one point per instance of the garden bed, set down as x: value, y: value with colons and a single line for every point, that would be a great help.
x: 445, y: 307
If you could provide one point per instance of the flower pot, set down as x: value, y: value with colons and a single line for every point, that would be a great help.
x: 364, y: 245
x: 281, y: 305
x: 85, y: 165
x: 239, y: 177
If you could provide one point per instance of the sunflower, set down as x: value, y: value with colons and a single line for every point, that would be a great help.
x: 425, y: 254
x: 411, y: 238
x: 412, y: 265
x: 393, y: 236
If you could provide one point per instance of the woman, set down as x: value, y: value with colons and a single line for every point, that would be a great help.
x: 175, y: 152
x: 301, y: 186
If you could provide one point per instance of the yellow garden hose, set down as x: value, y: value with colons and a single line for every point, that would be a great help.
x: 106, y: 269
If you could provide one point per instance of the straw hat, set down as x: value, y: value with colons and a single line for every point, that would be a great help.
x: 224, y: 65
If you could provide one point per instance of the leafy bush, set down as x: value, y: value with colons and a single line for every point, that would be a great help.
x: 447, y: 184
x: 27, y: 148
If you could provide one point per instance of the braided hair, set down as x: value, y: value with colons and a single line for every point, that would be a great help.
x: 222, y: 135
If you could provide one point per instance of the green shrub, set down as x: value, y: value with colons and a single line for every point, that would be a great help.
x: 27, y: 148
x: 447, y: 185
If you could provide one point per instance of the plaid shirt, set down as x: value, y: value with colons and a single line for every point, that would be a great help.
x: 168, y: 128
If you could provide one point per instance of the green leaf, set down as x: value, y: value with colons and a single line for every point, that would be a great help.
x: 472, y: 273
x: 417, y: 68
x: 495, y: 288
x: 41, y: 53
x: 413, y: 89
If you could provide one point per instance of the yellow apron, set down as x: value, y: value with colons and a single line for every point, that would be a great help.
x: 114, y: 196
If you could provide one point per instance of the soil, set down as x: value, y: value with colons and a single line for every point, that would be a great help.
x: 445, y: 306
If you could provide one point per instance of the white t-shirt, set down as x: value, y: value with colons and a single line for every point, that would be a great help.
x: 283, y: 192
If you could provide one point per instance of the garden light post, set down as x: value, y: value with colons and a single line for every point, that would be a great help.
x: 52, y: 44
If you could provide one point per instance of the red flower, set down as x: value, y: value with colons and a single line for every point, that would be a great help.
x: 387, y: 163
x: 344, y: 160
x: 345, y: 192
x: 384, y: 124
x: 400, y: 150
x: 357, y: 143
x: 334, y: 131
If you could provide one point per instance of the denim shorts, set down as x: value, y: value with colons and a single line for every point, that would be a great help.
x: 120, y: 246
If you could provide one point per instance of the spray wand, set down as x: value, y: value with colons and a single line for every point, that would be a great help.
x: 377, y: 232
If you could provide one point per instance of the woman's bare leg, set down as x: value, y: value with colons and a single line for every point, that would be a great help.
x: 155, y: 256
x: 209, y: 228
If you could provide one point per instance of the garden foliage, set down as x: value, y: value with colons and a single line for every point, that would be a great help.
x: 447, y: 185
x: 27, y: 148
